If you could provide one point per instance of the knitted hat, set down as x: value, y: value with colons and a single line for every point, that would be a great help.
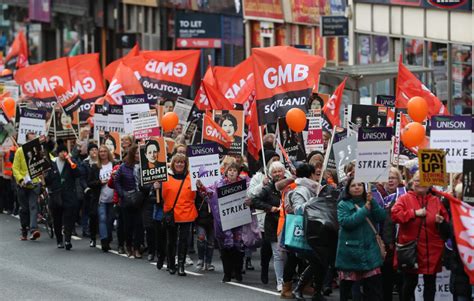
x: 61, y: 148
x: 91, y: 146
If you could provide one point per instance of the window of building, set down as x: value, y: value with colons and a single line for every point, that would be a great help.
x: 381, y: 55
x: 413, y: 52
x: 438, y: 60
x: 364, y: 51
x: 461, y: 69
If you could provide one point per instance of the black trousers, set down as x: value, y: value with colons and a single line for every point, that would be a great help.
x: 372, y: 287
x: 133, y: 227
x: 120, y: 226
x: 156, y: 239
x: 63, y: 217
x: 292, y: 261
x: 410, y: 281
x: 93, y: 218
x: 265, y: 252
x: 177, y: 237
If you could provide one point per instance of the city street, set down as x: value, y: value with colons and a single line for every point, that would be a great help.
x: 38, y: 270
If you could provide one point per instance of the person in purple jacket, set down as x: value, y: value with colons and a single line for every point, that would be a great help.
x: 230, y: 241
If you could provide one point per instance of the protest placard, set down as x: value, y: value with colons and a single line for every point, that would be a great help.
x: 232, y: 208
x: 344, y: 153
x: 468, y: 180
x: 65, y: 125
x: 112, y: 141
x: 291, y: 141
x: 33, y: 121
x: 145, y: 124
x: 453, y: 135
x: 182, y: 108
x: 100, y: 118
x: 133, y: 104
x: 232, y: 122
x: 204, y: 164
x: 313, y: 137
x: 153, y: 161
x: 368, y: 116
x: 432, y: 167
x: 115, y: 119
x: 373, y: 154
x: 36, y: 158
x: 386, y: 100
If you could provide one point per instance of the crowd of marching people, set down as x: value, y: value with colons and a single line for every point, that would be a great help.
x: 370, y: 240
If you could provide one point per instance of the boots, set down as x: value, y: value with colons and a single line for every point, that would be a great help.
x: 226, y: 257
x: 238, y: 262
x: 298, y: 291
x: 286, y: 291
x: 264, y: 274
x: 181, y: 271
x: 248, y: 264
x: 181, y: 261
x: 171, y: 265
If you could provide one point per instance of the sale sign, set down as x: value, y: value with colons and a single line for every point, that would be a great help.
x: 432, y: 167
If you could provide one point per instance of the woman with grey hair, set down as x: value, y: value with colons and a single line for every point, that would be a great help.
x: 268, y: 199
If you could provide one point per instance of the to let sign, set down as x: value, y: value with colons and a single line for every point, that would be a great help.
x: 334, y: 26
x: 198, y: 30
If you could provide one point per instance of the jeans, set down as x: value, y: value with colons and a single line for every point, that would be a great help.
x: 278, y: 262
x: 205, y: 242
x: 372, y: 289
x: 133, y: 227
x: 411, y: 281
x: 28, y: 200
x: 106, y: 220
x: 177, y: 236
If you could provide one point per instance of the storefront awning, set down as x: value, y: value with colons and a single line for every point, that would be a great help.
x: 363, y: 75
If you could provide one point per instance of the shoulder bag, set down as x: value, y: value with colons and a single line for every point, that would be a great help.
x: 379, y: 240
x: 407, y: 254
x: 168, y: 217
x: 132, y: 199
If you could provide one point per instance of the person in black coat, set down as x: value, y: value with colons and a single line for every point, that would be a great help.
x: 61, y: 183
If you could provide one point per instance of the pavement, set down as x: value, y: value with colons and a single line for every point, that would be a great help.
x: 38, y: 270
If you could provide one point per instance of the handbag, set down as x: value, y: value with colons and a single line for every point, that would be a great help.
x: 168, y: 217
x: 132, y: 199
x: 294, y: 238
x: 407, y: 254
x: 380, y: 243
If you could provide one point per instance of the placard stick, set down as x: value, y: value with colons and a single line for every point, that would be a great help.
x: 263, y: 151
x: 326, y: 157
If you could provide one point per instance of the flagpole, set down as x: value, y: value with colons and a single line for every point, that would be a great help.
x: 326, y: 157
x: 263, y: 151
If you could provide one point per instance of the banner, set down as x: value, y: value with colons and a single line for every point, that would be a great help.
x: 284, y: 79
x: 70, y: 101
x: 368, y: 116
x: 313, y: 137
x: 232, y: 122
x: 124, y: 82
x: 432, y: 167
x: 33, y: 121
x: 204, y: 164
x: 292, y: 142
x: 443, y: 292
x: 344, y: 153
x: 232, y: 208
x: 133, y: 104
x: 373, y: 154
x: 209, y: 96
x: 468, y: 180
x: 453, y: 135
x: 113, y: 143
x: 17, y: 56
x: 153, y: 163
x: 386, y: 100
x: 145, y: 125
x: 110, y: 69
x: 212, y: 132
x: 36, y: 158
x: 256, y: 9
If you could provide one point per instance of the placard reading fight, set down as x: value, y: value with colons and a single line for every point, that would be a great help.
x: 373, y: 154
x: 153, y: 161
x: 31, y: 121
x: 204, y: 164
x: 453, y: 135
x: 232, y: 208
x: 133, y: 104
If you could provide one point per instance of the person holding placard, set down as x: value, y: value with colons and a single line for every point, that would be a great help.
x: 179, y: 211
x: 358, y: 256
x: 230, y: 241
x: 422, y: 219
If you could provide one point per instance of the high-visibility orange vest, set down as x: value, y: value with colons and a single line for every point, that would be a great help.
x: 281, y: 219
x: 7, y: 164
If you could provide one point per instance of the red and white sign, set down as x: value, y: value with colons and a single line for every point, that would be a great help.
x: 198, y: 43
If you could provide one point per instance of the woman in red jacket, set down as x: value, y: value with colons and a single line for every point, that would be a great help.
x: 421, y: 216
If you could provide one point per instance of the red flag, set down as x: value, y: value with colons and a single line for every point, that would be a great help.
x: 391, y: 117
x: 254, y: 144
x: 209, y: 97
x: 463, y: 224
x: 332, y: 107
x: 19, y: 49
x: 69, y: 100
x: 212, y: 132
x: 110, y: 69
x: 123, y: 83
x: 408, y: 86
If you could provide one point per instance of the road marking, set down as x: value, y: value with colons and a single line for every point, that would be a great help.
x: 75, y: 237
x: 254, y: 288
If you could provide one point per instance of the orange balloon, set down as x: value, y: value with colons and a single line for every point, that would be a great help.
x: 169, y: 121
x: 8, y: 105
x: 296, y: 120
x: 6, y: 72
x: 425, y: 144
x: 417, y: 108
x: 413, y: 134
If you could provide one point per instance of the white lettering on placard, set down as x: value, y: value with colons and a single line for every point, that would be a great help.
x: 87, y: 85
x: 43, y: 84
x: 297, y: 101
x: 167, y: 68
x: 273, y: 78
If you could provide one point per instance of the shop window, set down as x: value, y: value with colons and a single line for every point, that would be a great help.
x: 364, y: 50
x: 343, y: 51
x: 438, y: 60
x: 255, y: 34
x: 280, y: 31
x: 381, y: 55
x: 461, y: 69
x: 414, y: 52
x: 71, y: 42
x: 267, y: 42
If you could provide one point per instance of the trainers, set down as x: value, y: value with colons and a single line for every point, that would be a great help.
x: 210, y: 267
x: 121, y: 250
x: 200, y: 264
x: 189, y: 261
x: 35, y: 235
x: 279, y: 287
x: 23, y: 237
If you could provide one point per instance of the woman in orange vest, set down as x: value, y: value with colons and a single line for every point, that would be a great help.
x: 178, y: 198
